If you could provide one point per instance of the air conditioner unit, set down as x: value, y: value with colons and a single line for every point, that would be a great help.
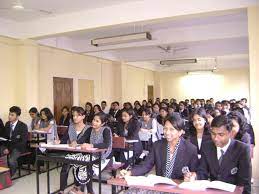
x: 177, y: 61
x: 122, y: 39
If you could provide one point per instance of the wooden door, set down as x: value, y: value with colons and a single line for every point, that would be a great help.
x: 150, y: 93
x: 62, y: 94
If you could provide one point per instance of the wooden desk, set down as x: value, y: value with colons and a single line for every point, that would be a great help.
x: 170, y: 188
x: 3, y: 169
x: 55, y: 158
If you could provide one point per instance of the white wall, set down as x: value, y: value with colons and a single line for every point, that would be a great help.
x: 223, y: 84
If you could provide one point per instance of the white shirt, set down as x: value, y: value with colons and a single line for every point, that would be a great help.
x: 224, y: 149
x: 106, y: 110
x: 14, y: 125
x: 199, y: 140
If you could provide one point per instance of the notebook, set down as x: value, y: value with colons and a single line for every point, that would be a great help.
x: 149, y: 180
x: 202, y: 185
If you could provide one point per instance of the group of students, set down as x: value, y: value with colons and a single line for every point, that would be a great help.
x: 214, y: 141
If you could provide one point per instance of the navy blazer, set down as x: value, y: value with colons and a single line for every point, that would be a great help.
x: 19, y: 136
x: 133, y: 130
x: 235, y: 167
x: 186, y: 156
x: 205, y: 138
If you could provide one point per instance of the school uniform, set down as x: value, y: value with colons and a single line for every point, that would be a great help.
x: 116, y: 114
x: 68, y: 138
x: 184, y: 113
x: 64, y: 121
x: 199, y: 143
x: 131, y: 132
x: 233, y: 167
x: 186, y: 156
x: 17, y: 133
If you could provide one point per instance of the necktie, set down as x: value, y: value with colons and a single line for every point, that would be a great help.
x: 11, y: 131
x: 221, y: 157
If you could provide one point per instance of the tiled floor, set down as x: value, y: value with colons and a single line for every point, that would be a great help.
x: 27, y: 184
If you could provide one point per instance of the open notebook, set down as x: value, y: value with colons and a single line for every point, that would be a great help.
x: 3, y: 139
x: 150, y: 180
x: 201, y: 185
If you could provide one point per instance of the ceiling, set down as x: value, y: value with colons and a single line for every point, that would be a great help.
x: 213, y: 32
x: 55, y: 6
x: 198, y: 36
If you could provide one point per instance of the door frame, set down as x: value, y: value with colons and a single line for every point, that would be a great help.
x: 75, y: 86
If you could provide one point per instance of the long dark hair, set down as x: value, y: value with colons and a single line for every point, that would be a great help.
x: 48, y: 113
x: 241, y: 120
x: 202, y: 113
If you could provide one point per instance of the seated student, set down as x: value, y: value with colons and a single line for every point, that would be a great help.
x: 224, y: 158
x: 65, y: 118
x: 239, y: 127
x: 97, y: 136
x: 155, y: 110
x: 128, y: 127
x: 105, y: 108
x: 97, y: 108
x: 89, y: 113
x: 148, y: 130
x: 34, y: 114
x: 73, y: 137
x: 17, y: 132
x: 47, y: 123
x: 1, y: 127
x: 199, y: 130
x: 163, y: 113
x: 116, y: 113
x: 169, y: 155
x: 138, y: 109
x: 184, y: 112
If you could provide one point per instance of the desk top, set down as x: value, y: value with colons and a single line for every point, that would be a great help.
x: 40, y: 132
x: 170, y: 188
x: 3, y: 169
x: 65, y: 147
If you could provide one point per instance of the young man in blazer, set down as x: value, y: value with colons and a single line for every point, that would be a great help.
x: 17, y: 134
x: 223, y: 158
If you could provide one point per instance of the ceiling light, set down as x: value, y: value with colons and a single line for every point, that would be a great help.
x: 178, y: 61
x: 122, y: 39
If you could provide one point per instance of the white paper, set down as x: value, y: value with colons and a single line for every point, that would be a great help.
x: 44, y: 145
x: 202, y: 185
x: 150, y: 180
x: 3, y: 139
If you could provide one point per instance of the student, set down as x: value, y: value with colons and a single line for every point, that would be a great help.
x: 17, y: 132
x: 224, y: 158
x: 218, y: 106
x: 129, y: 128
x: 148, y: 131
x: 163, y: 113
x: 34, y: 114
x: 47, y: 123
x: 138, y: 109
x: 155, y: 109
x: 169, y: 155
x: 246, y: 110
x: 73, y: 137
x: 116, y: 114
x: 199, y: 130
x: 97, y: 108
x: 97, y: 136
x: 89, y: 113
x: 239, y: 127
x: 184, y: 112
x: 1, y: 127
x: 104, y: 107
x: 65, y: 118
x: 225, y: 107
